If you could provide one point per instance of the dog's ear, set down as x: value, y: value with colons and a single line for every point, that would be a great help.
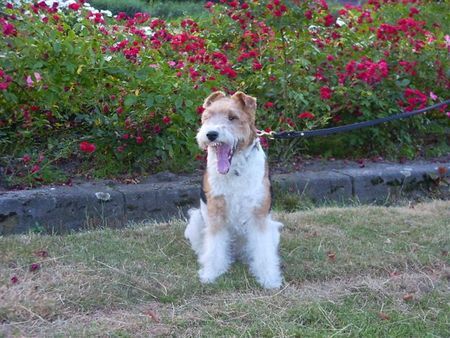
x: 248, y: 103
x: 213, y: 97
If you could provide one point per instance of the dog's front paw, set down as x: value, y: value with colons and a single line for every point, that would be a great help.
x: 267, y: 275
x: 207, y: 276
x: 268, y: 278
x: 273, y: 282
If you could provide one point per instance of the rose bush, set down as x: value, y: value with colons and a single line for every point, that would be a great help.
x: 124, y: 94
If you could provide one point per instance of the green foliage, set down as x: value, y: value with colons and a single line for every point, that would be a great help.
x: 178, y: 9
x: 131, y: 88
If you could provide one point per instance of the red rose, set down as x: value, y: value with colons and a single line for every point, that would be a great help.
x: 257, y: 65
x: 308, y: 15
x: 329, y: 20
x: 87, y: 147
x: 26, y: 158
x: 9, y: 29
x: 325, y: 93
x: 35, y: 169
x: 200, y: 110
x: 268, y: 105
x: 156, y: 129
x: 74, y: 6
x: 306, y: 115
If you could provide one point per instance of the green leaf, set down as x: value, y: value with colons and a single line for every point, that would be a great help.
x: 116, y: 71
x: 38, y: 64
x: 149, y: 101
x: 130, y: 100
x: 403, y: 83
x: 57, y: 47
x: 9, y: 96
x: 68, y: 47
x: 70, y: 67
x: 71, y: 35
x: 142, y: 74
x: 179, y: 102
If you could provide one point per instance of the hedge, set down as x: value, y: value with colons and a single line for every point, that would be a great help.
x: 82, y: 93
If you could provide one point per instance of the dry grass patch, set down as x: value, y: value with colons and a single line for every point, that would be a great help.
x: 362, y: 271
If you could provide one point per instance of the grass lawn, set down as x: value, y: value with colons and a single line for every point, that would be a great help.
x: 363, y: 271
x: 165, y: 9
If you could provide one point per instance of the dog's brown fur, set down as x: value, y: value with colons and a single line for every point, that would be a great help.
x: 239, y: 107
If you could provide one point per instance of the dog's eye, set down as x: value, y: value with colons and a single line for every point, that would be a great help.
x: 232, y: 117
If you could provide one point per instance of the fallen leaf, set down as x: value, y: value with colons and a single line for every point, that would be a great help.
x: 442, y: 171
x: 159, y: 331
x: 41, y: 253
x: 394, y: 274
x: 131, y: 181
x: 383, y: 316
x: 331, y: 256
x: 34, y: 267
x: 407, y: 297
x: 153, y: 315
x: 311, y: 234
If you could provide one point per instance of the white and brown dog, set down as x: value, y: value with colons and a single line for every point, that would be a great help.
x: 234, y: 219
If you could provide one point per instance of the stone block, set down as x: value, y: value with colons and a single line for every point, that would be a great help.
x: 318, y: 186
x: 158, y: 201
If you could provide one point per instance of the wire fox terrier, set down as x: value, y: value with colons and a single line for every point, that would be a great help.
x: 234, y: 220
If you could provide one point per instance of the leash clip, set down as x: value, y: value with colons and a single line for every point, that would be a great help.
x: 265, y: 133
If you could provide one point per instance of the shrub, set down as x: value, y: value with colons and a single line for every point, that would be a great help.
x: 131, y: 89
x: 173, y: 10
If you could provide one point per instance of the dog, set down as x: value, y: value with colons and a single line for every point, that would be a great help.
x: 234, y: 219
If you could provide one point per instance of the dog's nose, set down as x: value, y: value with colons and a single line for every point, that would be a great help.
x: 212, y: 135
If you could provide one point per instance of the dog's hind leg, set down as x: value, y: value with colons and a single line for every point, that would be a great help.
x: 194, y: 230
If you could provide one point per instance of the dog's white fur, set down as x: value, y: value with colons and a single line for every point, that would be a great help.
x: 235, y: 222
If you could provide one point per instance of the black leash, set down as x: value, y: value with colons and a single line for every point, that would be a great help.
x: 348, y: 127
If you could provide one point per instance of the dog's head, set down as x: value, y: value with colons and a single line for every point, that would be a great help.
x: 228, y: 126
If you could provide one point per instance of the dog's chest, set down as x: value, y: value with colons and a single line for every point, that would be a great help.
x: 243, y: 187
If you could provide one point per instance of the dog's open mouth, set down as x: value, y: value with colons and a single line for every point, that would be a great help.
x: 224, y: 154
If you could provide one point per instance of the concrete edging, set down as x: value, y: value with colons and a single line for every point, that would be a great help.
x: 164, y: 195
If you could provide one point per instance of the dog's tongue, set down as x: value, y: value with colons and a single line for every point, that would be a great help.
x: 223, y: 162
